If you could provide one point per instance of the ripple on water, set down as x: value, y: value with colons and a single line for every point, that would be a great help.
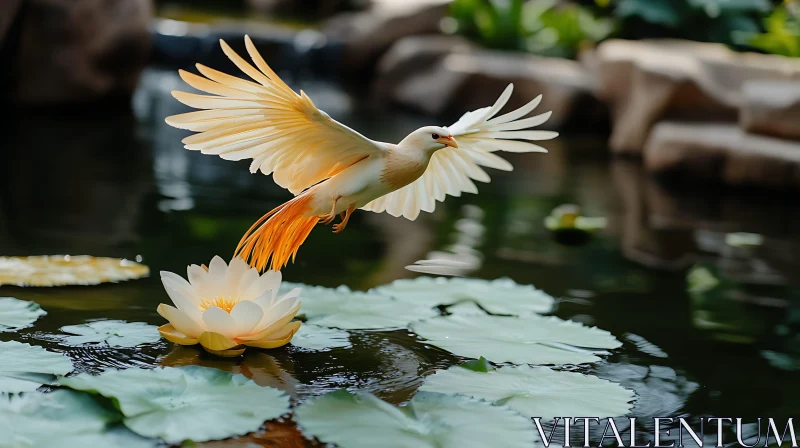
x: 391, y: 365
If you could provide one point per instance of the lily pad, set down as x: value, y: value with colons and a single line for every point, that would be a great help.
x: 530, y: 340
x: 501, y: 296
x: 313, y: 337
x: 356, y: 310
x: 64, y: 419
x: 535, y: 391
x: 17, y: 314
x: 192, y: 402
x: 62, y: 270
x: 25, y: 367
x: 430, y: 420
x: 115, y: 333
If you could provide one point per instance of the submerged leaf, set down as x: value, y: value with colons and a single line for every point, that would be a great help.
x: 17, y: 314
x: 192, y: 402
x: 478, y: 365
x: 313, y: 337
x: 356, y: 310
x: 61, y: 270
x: 115, y: 333
x: 530, y: 340
x: 64, y: 419
x: 25, y: 367
x: 429, y: 420
x: 501, y: 296
x: 536, y: 391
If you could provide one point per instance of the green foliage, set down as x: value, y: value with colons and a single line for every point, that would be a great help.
x: 478, y: 365
x: 702, y: 20
x: 782, y: 35
x: 538, y: 26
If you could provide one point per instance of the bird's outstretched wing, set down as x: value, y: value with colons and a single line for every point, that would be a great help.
x: 283, y: 132
x: 452, y: 170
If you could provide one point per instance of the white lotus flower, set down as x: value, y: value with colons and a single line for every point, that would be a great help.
x: 227, y: 307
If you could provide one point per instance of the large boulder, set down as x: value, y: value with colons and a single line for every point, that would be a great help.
x: 722, y: 152
x: 448, y: 76
x: 366, y: 36
x: 647, y: 81
x: 771, y: 108
x: 74, y: 51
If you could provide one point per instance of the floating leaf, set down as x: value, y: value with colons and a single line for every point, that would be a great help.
x: 192, y: 402
x: 429, y: 420
x: 16, y: 314
x: 501, y: 296
x: 61, y: 270
x: 64, y: 419
x: 478, y: 365
x: 313, y: 337
x: 356, y: 310
x: 115, y: 333
x: 25, y: 367
x: 535, y: 391
x: 532, y: 340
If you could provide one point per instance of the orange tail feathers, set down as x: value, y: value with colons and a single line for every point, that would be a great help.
x: 278, y: 234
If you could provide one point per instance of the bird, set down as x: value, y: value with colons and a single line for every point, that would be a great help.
x: 331, y: 169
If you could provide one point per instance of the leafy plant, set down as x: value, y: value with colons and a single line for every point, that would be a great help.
x: 539, y: 26
x: 702, y: 20
x: 782, y: 35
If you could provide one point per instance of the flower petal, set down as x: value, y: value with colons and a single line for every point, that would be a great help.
x: 201, y: 284
x: 278, y: 341
x: 273, y: 327
x: 217, y: 269
x: 236, y: 269
x: 274, y: 312
x: 248, y: 279
x: 181, y: 300
x: 169, y: 333
x: 220, y: 345
x: 269, y: 281
x: 247, y: 315
x: 219, y: 321
x: 180, y: 320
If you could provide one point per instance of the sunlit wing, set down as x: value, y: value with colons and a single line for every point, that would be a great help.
x: 266, y: 121
x: 453, y: 170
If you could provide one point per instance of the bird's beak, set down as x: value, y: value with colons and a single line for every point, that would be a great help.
x: 448, y: 141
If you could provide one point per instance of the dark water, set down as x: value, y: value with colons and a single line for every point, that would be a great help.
x: 123, y: 186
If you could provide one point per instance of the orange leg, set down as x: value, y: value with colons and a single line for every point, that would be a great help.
x: 339, y: 227
x: 328, y: 218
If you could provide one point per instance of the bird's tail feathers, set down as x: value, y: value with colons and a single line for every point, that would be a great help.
x: 276, y: 237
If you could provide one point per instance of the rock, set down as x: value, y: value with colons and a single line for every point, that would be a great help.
x: 647, y: 81
x: 78, y: 51
x: 424, y: 74
x: 366, y: 36
x: 722, y: 152
x: 771, y: 108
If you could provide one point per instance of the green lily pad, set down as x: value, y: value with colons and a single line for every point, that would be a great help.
x: 535, y: 391
x: 356, y: 310
x: 313, y: 337
x: 530, y: 340
x: 501, y: 296
x: 17, y: 314
x: 192, y: 402
x: 429, y: 420
x: 25, y: 367
x: 115, y: 333
x: 64, y: 419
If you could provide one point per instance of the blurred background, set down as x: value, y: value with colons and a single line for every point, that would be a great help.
x: 679, y: 121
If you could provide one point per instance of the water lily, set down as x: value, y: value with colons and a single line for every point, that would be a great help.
x: 226, y: 308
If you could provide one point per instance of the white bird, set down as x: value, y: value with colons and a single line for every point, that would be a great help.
x: 330, y: 168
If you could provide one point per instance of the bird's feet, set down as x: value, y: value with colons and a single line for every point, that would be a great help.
x: 339, y: 227
x: 326, y: 218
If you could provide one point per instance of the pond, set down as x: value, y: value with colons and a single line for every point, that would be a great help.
x: 122, y: 185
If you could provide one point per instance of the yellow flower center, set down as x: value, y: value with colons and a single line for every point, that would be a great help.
x: 224, y: 303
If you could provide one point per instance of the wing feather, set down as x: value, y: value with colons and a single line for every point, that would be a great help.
x: 265, y: 120
x: 452, y: 171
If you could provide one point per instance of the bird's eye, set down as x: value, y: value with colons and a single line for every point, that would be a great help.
x: 435, y: 136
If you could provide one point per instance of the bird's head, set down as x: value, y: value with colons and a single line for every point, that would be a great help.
x: 429, y: 139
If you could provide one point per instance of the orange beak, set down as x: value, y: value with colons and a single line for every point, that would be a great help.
x: 448, y: 141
